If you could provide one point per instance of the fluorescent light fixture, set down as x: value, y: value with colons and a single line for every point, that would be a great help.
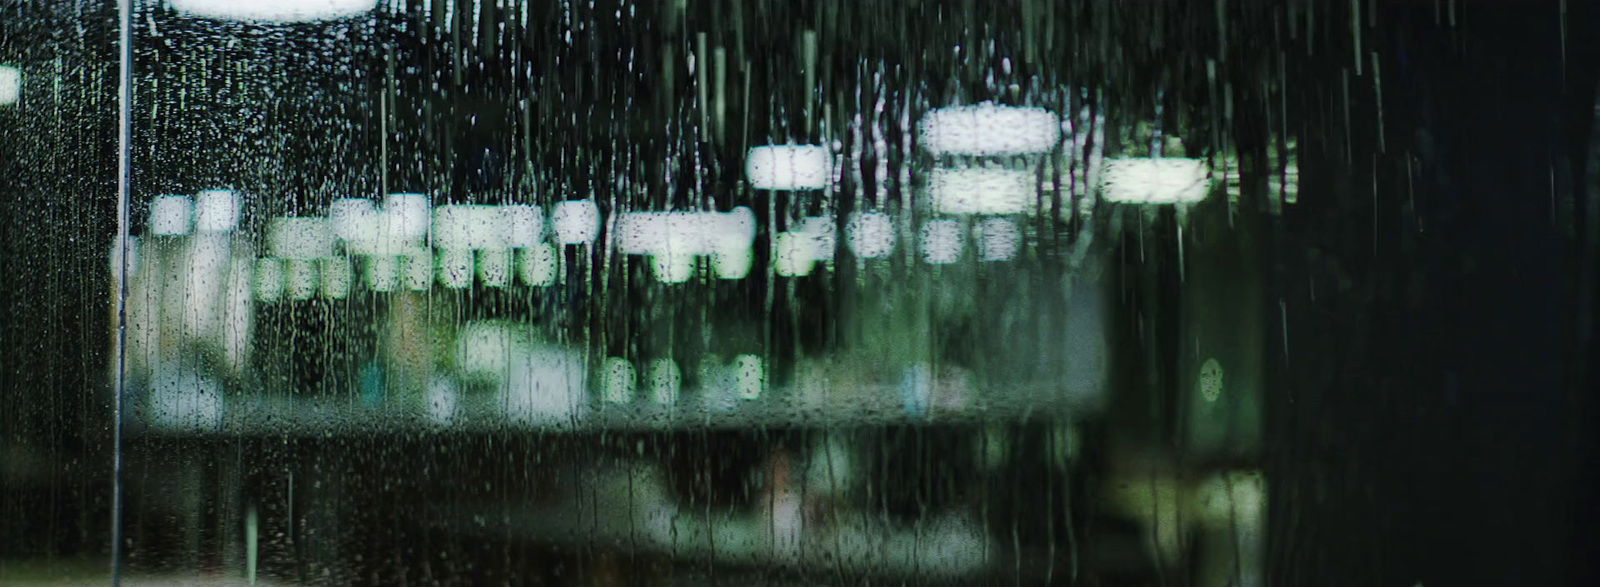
x: 405, y: 216
x: 537, y: 265
x: 1168, y: 180
x: 983, y: 190
x: 870, y: 234
x: 205, y: 267
x: 665, y: 381
x: 749, y: 376
x: 699, y: 233
x: 469, y: 227
x: 299, y: 238
x: 674, y: 239
x: 823, y: 234
x: 273, y: 10
x: 576, y: 222
x: 792, y: 255
x: 524, y: 225
x: 10, y: 85
x: 336, y: 278
x: 733, y: 262
x: 1000, y: 240
x: 546, y: 386
x: 674, y: 265
x: 940, y: 241
x: 494, y: 267
x: 216, y: 211
x: 988, y: 129
x: 617, y: 381
x: 789, y: 167
x: 268, y: 283
x: 169, y: 215
x: 355, y: 221
x: 455, y: 267
x: 368, y: 230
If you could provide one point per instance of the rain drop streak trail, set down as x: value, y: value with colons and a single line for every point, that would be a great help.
x: 124, y: 128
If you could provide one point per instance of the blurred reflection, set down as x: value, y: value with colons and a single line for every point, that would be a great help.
x: 489, y: 292
x: 10, y: 84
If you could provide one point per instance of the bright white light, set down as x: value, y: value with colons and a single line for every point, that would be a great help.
x: 870, y: 234
x: 299, y: 238
x: 268, y: 285
x: 383, y: 273
x: 169, y: 215
x: 355, y: 221
x: 205, y: 266
x: 674, y: 239
x: 988, y: 129
x: 216, y: 211
x: 235, y: 335
x: 537, y: 265
x: 1155, y: 181
x: 336, y: 278
x: 455, y: 267
x: 494, y: 267
x: 10, y: 85
x: 618, y: 381
x: 1000, y: 240
x: 665, y: 381
x: 789, y: 167
x: 576, y: 222
x: 524, y: 225
x: 301, y: 281
x: 675, y: 265
x: 469, y: 227
x: 793, y: 255
x: 982, y: 190
x: 546, y: 386
x: 733, y: 262
x: 940, y: 241
x: 406, y: 216
x: 697, y: 233
x: 367, y: 230
x: 273, y: 10
x: 749, y: 376
x: 418, y: 267
x: 823, y: 234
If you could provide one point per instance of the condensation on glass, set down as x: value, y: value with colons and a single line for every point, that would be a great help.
x: 438, y: 291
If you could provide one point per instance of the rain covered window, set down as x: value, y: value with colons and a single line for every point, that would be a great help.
x: 456, y: 292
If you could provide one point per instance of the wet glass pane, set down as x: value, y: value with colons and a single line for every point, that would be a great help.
x: 58, y: 204
x: 470, y: 292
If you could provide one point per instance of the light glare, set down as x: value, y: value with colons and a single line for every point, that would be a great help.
x: 989, y: 130
x: 789, y: 167
x: 169, y: 215
x: 273, y: 10
x: 1168, y: 180
x: 10, y: 85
